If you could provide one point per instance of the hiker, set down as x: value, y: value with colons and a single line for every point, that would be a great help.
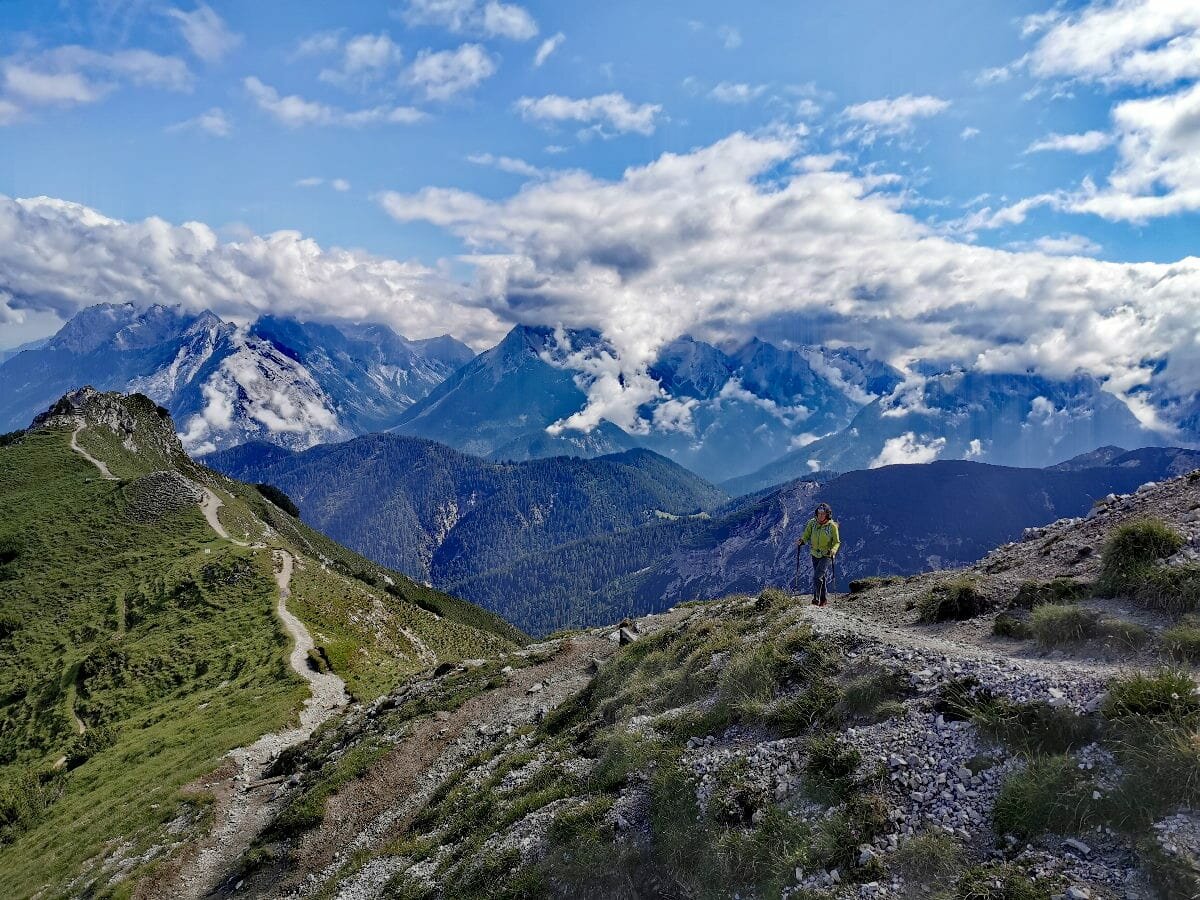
x: 821, y: 534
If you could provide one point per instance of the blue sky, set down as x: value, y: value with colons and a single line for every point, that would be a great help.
x: 121, y: 156
x: 1008, y: 186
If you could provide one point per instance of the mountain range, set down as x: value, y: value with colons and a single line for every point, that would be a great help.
x: 746, y: 417
x: 566, y: 542
x: 293, y: 383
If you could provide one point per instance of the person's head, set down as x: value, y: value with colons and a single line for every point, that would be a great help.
x: 824, y: 513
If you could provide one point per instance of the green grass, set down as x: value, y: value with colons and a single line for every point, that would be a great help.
x: 1010, y: 625
x: 1054, y: 624
x: 953, y: 600
x: 1057, y: 590
x: 931, y: 859
x: 161, y: 638
x: 1130, y: 567
x: 1182, y: 640
x: 1003, y: 881
x: 1049, y: 795
x: 1166, y: 696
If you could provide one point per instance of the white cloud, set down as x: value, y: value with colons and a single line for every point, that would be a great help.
x: 506, y: 164
x: 213, y: 121
x: 974, y: 449
x: 71, y: 75
x: 442, y: 74
x: 321, y: 43
x: 606, y: 110
x: 1088, y: 142
x: 890, y: 115
x: 366, y: 58
x: 205, y: 32
x: 65, y: 88
x: 340, y: 184
x: 730, y: 36
x: 967, y: 133
x: 729, y: 92
x: 9, y: 112
x: 1062, y: 245
x: 62, y: 256
x: 295, y: 111
x: 486, y: 19
x: 908, y: 450
x: 1127, y: 42
x: 698, y: 243
x: 548, y: 46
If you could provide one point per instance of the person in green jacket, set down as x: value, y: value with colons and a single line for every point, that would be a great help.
x: 821, y: 535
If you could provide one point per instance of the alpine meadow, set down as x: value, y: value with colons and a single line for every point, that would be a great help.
x: 504, y: 450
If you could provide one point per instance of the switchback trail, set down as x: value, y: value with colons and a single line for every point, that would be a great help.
x: 104, y: 473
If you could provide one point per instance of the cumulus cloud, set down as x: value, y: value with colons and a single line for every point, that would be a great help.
x: 1088, y: 142
x: 72, y: 75
x: 968, y: 133
x: 214, y: 122
x: 60, y: 257
x: 365, y: 59
x: 1128, y: 42
x: 485, y: 19
x: 612, y: 111
x: 730, y: 92
x: 295, y: 111
x: 508, y: 164
x: 206, y: 33
x: 890, y: 116
x: 442, y: 74
x: 547, y: 47
x: 1142, y: 44
x: 907, y: 449
x: 700, y: 243
x: 1061, y: 245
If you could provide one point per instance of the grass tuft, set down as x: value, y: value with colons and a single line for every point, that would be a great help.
x: 953, y: 600
x: 1182, y: 640
x: 1054, y: 624
x: 1049, y: 795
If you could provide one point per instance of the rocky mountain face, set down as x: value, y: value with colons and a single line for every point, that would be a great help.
x: 440, y: 515
x: 292, y: 383
x: 155, y: 616
x: 907, y: 741
x: 1013, y: 420
x: 742, y: 409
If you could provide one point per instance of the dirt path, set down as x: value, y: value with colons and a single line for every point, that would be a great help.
x: 104, y: 473
x: 850, y: 620
x: 210, y: 505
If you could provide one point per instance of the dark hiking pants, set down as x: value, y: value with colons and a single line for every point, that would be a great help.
x: 821, y: 571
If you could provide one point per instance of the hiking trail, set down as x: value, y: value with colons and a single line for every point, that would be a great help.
x: 104, y: 472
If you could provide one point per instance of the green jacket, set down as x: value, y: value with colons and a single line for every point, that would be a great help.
x: 824, y: 539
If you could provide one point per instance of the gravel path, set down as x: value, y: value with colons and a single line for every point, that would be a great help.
x: 104, y: 473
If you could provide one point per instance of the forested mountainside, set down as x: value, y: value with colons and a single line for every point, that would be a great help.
x: 441, y: 515
x: 555, y: 549
x: 147, y: 607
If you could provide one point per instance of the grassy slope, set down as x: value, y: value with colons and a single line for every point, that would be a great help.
x: 164, y: 639
x: 194, y: 667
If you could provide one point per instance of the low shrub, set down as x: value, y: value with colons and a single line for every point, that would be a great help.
x: 1011, y: 624
x: 279, y: 498
x: 816, y: 705
x: 1029, y: 728
x: 866, y: 694
x: 771, y: 598
x: 1048, y: 795
x: 953, y: 600
x: 25, y: 795
x: 1057, y: 590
